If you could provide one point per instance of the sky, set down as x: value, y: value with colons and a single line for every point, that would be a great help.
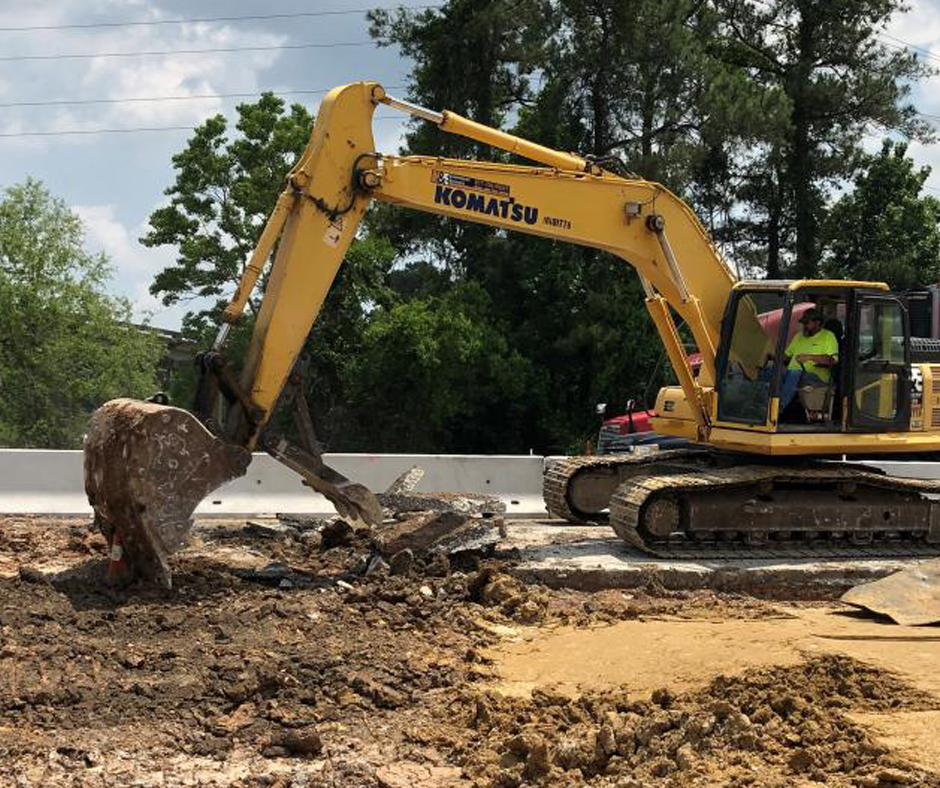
x: 113, y: 181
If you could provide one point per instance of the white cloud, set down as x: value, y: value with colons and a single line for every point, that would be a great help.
x: 135, y: 265
x: 105, y: 231
x: 117, y: 78
x: 37, y: 12
x: 920, y: 26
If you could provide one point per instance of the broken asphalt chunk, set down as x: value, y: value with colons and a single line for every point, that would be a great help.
x: 444, y: 533
x: 910, y: 597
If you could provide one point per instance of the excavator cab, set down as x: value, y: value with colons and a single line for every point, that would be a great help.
x: 866, y: 389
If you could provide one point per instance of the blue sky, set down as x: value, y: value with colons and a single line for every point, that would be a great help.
x: 114, y: 181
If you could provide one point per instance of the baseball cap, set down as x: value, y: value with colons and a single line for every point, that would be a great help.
x: 811, y: 314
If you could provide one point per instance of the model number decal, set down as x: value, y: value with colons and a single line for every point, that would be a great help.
x: 561, y: 224
x: 465, y: 182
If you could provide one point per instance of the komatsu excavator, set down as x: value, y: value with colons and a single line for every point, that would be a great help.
x: 752, y: 476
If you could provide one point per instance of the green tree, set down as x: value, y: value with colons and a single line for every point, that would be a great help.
x: 837, y: 79
x: 67, y: 346
x: 225, y: 189
x: 660, y: 102
x: 438, y: 374
x: 886, y: 230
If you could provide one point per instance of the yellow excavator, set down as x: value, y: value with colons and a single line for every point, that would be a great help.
x: 753, y: 473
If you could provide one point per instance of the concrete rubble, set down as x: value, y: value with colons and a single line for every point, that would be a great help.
x: 401, y: 498
x: 910, y: 597
x: 592, y: 558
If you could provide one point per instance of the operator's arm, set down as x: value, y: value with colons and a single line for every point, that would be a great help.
x: 827, y: 359
x: 819, y: 359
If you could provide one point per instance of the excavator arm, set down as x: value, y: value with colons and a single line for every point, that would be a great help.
x: 570, y: 200
x: 147, y: 504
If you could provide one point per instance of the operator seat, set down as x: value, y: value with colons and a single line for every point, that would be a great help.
x: 834, y: 325
x: 820, y: 401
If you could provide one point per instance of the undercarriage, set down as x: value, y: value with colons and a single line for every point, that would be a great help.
x: 702, y: 503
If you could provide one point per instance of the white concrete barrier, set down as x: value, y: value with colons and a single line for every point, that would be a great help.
x: 909, y: 470
x: 34, y: 481
x: 37, y: 481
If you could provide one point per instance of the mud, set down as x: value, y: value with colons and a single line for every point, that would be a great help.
x: 279, y: 660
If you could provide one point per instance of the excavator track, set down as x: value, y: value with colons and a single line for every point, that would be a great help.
x: 806, y: 510
x: 579, y: 489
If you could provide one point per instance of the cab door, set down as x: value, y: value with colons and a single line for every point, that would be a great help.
x: 879, y: 371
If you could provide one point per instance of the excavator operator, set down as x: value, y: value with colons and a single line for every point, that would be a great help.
x: 809, y: 357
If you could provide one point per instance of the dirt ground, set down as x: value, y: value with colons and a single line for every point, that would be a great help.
x: 281, y: 659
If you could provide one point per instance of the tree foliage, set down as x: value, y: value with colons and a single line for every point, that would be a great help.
x: 443, y: 335
x: 886, y: 230
x: 66, y: 345
x: 224, y: 191
x: 427, y: 370
x: 838, y: 80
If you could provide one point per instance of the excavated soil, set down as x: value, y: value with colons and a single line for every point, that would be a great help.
x: 285, y: 656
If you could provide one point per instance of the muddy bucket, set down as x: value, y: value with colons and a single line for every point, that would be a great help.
x: 147, y: 467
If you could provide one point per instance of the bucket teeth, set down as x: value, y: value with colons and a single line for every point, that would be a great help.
x: 147, y: 467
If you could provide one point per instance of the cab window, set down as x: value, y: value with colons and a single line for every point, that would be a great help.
x: 879, y: 358
x: 746, y: 379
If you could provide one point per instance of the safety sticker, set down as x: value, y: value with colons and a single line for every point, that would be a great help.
x: 334, y: 232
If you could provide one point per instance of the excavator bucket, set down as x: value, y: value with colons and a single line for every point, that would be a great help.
x: 147, y: 467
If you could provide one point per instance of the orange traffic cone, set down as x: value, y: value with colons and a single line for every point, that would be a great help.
x: 119, y: 572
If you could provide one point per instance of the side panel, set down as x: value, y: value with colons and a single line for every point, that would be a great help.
x: 809, y: 444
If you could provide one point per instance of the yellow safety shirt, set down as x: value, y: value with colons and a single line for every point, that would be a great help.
x: 822, y: 343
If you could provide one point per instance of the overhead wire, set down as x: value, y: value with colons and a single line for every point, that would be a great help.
x: 892, y: 41
x: 904, y: 44
x: 209, y: 19
x: 194, y: 97
x: 131, y: 130
x: 901, y: 44
x: 206, y: 51
x: 895, y: 43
